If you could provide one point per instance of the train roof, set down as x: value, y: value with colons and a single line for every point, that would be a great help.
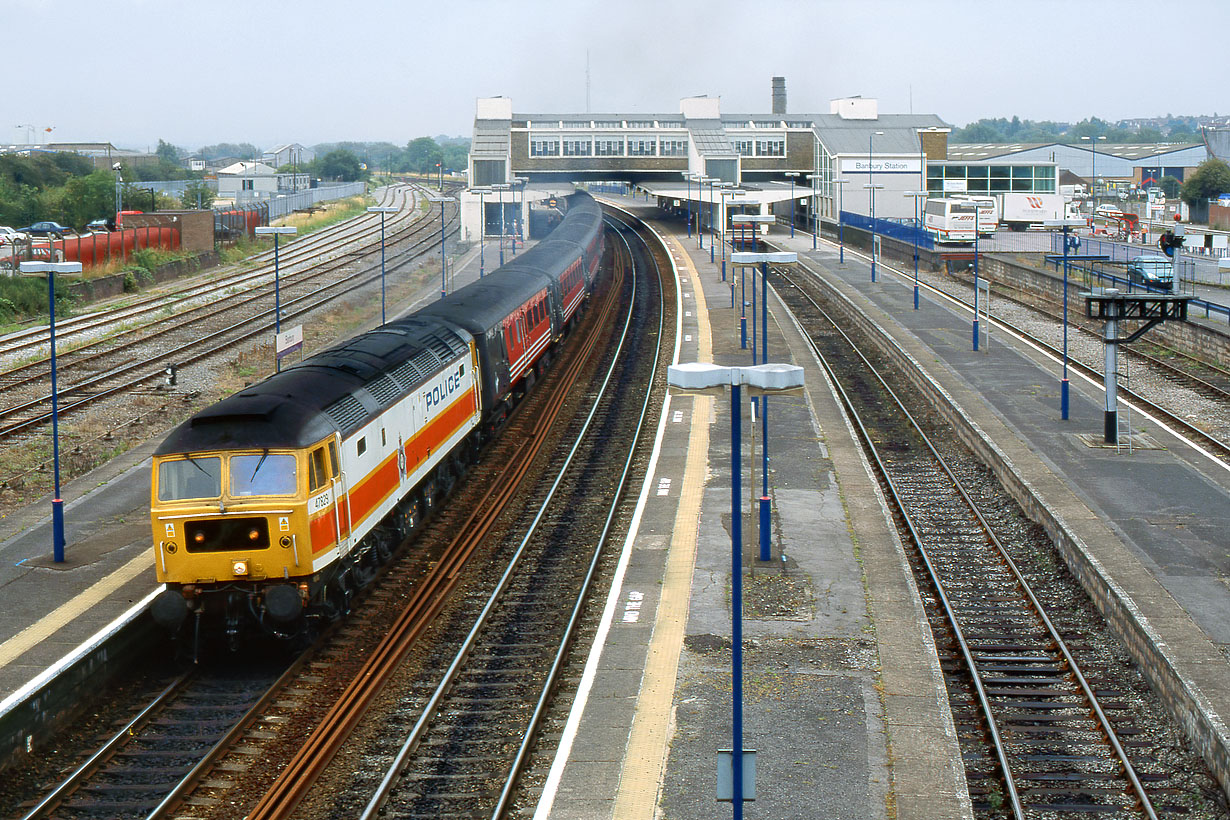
x: 335, y: 390
x: 484, y: 304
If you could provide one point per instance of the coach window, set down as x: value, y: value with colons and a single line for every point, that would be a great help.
x: 318, y: 474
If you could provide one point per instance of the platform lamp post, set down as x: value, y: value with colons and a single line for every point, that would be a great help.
x: 688, y: 178
x: 713, y: 183
x: 443, y: 257
x: 705, y: 379
x: 482, y: 227
x: 1093, y: 172
x: 382, y: 211
x: 1069, y: 241
x: 275, y: 232
x: 50, y: 269
x: 872, y: 193
x: 815, y: 212
x: 917, y: 195
x: 520, y: 182
x: 500, y: 189
x: 976, y: 227
x: 728, y: 190
x: 700, y: 211
x: 792, y: 175
x: 841, y: 225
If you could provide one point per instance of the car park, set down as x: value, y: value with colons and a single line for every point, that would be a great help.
x: 47, y: 228
x: 1151, y: 269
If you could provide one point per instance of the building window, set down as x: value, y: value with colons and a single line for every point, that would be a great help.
x: 743, y: 148
x: 642, y: 147
x: 578, y: 148
x: 674, y: 148
x: 608, y: 124
x: 799, y: 124
x: 771, y: 148
x: 640, y: 124
x: 608, y: 148
x: 576, y: 124
x: 544, y: 148
x: 249, y: 184
x: 766, y: 123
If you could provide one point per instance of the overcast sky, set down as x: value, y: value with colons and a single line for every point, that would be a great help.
x: 268, y: 71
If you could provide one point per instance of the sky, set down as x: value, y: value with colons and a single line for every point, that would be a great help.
x: 269, y: 72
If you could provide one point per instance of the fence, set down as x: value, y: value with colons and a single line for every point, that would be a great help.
x: 901, y: 231
x: 287, y: 203
x: 1188, y: 270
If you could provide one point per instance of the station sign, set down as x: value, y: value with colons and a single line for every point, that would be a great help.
x: 881, y: 165
x: 288, y: 341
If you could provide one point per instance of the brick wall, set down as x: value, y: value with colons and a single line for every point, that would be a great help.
x: 196, y: 228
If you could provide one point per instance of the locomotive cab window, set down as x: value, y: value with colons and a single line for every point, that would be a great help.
x: 318, y: 475
x: 263, y: 474
x: 334, y: 465
x: 190, y: 478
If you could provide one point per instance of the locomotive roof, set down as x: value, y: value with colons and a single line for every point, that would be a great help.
x: 335, y: 390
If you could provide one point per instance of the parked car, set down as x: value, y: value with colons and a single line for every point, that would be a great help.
x: 8, y: 236
x: 1151, y: 269
x: 99, y: 226
x: 47, y: 228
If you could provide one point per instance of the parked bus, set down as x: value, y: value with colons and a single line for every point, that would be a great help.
x: 950, y: 220
x: 988, y: 211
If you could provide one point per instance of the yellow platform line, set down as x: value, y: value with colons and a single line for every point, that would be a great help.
x: 48, y: 625
x: 645, y: 758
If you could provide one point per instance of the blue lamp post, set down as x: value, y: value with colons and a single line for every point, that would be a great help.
x: 57, y: 503
x: 518, y: 204
x: 275, y: 232
x: 688, y: 177
x: 917, y: 195
x: 871, y: 187
x: 1093, y: 172
x: 815, y: 211
x: 841, y: 225
x: 976, y: 278
x: 1069, y: 242
x: 482, y: 227
x: 700, y: 211
x: 443, y: 257
x: 713, y: 182
x: 792, y: 175
x: 701, y: 378
x: 382, y: 212
x: 751, y: 260
x: 728, y: 190
x: 499, y: 189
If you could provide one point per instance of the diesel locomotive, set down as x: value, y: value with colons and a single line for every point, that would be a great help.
x: 275, y: 505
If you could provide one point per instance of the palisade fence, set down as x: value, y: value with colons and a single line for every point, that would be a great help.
x: 904, y: 230
x: 282, y: 204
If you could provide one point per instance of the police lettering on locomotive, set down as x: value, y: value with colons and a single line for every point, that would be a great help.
x: 275, y: 505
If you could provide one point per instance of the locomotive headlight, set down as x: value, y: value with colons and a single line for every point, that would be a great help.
x: 198, y: 537
x: 239, y: 567
x: 254, y: 534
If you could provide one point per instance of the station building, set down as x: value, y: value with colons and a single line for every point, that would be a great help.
x: 702, y: 158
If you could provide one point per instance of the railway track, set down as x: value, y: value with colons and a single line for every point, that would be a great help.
x: 414, y: 595
x: 118, y: 366
x: 468, y: 737
x: 1214, y: 442
x: 29, y: 341
x: 1048, y: 727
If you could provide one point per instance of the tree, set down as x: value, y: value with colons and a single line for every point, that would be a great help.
x: 167, y: 152
x: 340, y: 164
x: 422, y: 154
x: 1170, y: 187
x: 1211, y: 178
x: 87, y: 198
x: 197, y: 194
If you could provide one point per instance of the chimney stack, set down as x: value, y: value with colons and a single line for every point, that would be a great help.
x: 779, y: 95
